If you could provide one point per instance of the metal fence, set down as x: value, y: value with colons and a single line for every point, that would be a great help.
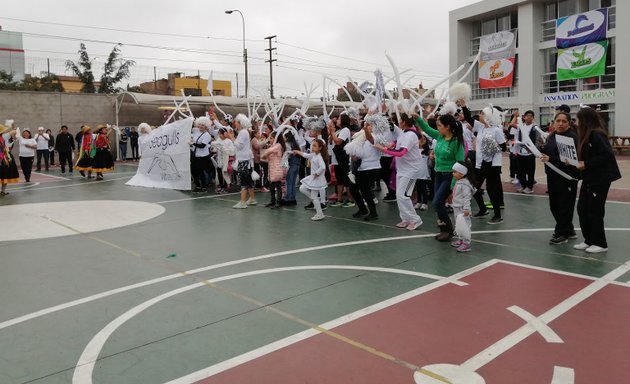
x: 38, y: 66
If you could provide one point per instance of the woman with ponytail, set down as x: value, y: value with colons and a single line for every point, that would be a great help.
x: 448, y: 150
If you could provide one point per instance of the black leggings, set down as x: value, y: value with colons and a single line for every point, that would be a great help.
x: 26, y: 163
x: 492, y: 176
x: 275, y: 191
x: 361, y: 191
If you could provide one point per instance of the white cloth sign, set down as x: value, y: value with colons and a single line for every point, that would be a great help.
x: 567, y: 150
x: 165, y: 161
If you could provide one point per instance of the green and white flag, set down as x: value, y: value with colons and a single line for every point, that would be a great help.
x: 582, y: 61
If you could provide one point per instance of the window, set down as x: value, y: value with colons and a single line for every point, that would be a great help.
x: 505, y: 22
x: 560, y: 8
x: 488, y: 27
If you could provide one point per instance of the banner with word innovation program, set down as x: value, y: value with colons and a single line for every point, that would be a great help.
x: 165, y: 161
x: 582, y: 28
x: 587, y: 60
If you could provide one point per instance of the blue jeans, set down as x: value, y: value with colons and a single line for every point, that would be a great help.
x: 442, y: 190
x: 291, y: 180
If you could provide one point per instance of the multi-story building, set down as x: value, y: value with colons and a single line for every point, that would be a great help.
x: 12, y: 54
x: 535, y: 84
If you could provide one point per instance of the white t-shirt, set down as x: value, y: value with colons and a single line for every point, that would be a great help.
x: 494, y: 133
x: 201, y: 138
x: 345, y: 135
x: 409, y: 165
x: 468, y: 136
x: 142, y: 140
x: 243, y: 146
x: 42, y: 141
x: 24, y: 150
x: 391, y: 137
x: 371, y: 157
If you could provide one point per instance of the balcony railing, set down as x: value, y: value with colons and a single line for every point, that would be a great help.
x: 552, y: 85
x: 475, y: 41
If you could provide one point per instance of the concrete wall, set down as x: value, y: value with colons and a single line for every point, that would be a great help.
x: 52, y: 110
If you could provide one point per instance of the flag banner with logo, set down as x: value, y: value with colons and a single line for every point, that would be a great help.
x: 496, y: 73
x: 500, y: 45
x: 586, y: 60
x: 582, y: 28
x: 165, y: 160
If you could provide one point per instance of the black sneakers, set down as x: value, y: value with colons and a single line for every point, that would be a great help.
x: 480, y: 214
x: 558, y: 239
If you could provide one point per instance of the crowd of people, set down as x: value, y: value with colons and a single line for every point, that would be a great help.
x: 448, y: 159
x: 445, y: 159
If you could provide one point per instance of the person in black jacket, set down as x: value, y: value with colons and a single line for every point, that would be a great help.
x: 562, y: 191
x: 65, y: 146
x: 599, y: 169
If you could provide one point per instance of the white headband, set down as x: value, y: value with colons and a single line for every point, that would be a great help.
x: 460, y: 168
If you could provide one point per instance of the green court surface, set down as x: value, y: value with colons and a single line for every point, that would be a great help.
x: 106, y: 283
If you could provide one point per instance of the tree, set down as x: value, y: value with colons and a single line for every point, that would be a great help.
x: 116, y: 69
x: 7, y: 82
x: 46, y: 83
x: 83, y: 70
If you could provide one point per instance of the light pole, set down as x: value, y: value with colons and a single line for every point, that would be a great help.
x: 229, y: 12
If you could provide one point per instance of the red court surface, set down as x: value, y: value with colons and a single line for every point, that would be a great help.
x: 451, y: 324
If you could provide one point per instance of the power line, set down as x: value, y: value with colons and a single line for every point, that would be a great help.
x: 128, y: 30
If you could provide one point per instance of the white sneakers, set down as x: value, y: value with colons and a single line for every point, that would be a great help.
x: 596, y: 249
x: 241, y: 205
x: 581, y: 246
x: 318, y: 217
x: 528, y: 191
x: 590, y: 248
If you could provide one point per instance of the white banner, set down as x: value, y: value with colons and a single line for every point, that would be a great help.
x: 496, y: 46
x: 567, y: 150
x: 165, y: 161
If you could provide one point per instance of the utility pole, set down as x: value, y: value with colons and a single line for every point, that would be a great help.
x: 270, y: 61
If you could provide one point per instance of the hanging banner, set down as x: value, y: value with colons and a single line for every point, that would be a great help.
x: 496, y: 73
x: 587, y: 60
x: 500, y: 45
x: 582, y: 28
x: 165, y: 161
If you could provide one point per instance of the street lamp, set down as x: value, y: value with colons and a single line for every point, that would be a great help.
x: 229, y: 12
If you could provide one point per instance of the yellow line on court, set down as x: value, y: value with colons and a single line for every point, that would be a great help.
x: 261, y: 305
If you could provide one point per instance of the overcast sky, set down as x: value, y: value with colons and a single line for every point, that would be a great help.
x: 337, y: 38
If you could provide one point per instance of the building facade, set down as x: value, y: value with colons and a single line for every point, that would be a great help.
x: 535, y: 83
x: 12, y: 54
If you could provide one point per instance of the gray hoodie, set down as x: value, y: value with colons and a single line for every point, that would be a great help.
x: 462, y: 194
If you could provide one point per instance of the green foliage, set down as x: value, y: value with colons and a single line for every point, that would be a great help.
x: 7, y: 82
x: 135, y: 89
x: 116, y: 69
x: 83, y: 70
x: 46, y: 83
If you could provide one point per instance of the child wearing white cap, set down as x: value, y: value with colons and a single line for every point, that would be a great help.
x: 463, y: 192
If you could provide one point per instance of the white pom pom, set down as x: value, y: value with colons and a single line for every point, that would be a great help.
x: 144, y: 127
x: 460, y: 91
x: 449, y: 108
x: 243, y: 121
x: 203, y: 120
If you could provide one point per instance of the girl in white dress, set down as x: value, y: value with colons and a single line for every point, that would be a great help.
x: 313, y: 184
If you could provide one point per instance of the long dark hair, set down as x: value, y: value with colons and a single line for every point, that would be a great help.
x: 589, y: 121
x: 408, y: 120
x: 454, y: 126
x: 324, y: 148
x: 278, y: 139
x: 290, y: 139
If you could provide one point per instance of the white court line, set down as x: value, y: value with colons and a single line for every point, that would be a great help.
x: 487, y: 355
x: 26, y: 186
x: 196, y: 198
x: 84, y: 300
x: 53, y: 176
x: 562, y: 375
x: 94, y: 182
x: 89, y: 356
x: 543, y: 329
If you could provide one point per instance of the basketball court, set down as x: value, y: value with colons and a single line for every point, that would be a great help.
x: 105, y: 283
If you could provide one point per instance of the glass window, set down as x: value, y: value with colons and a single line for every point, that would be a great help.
x: 567, y: 8
x: 593, y: 4
x: 551, y: 12
x: 477, y: 29
x: 503, y: 23
x: 488, y: 27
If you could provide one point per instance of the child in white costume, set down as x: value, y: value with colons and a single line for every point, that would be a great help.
x: 463, y: 191
x: 312, y: 185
